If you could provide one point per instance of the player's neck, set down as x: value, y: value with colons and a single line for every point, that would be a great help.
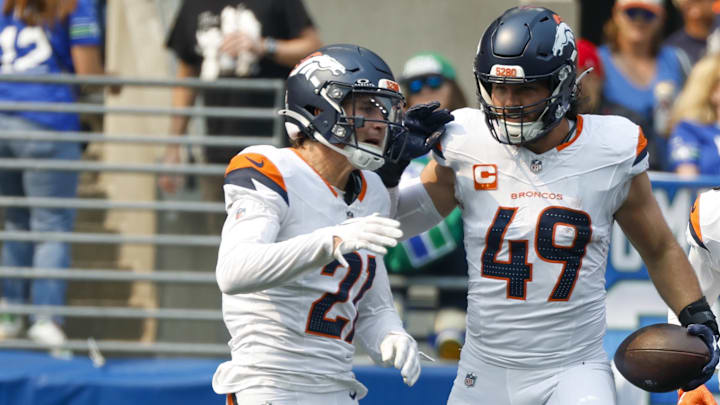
x: 556, y: 137
x: 332, y: 166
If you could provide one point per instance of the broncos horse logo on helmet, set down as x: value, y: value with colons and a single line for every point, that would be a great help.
x: 525, y: 45
x: 315, y: 62
x: 323, y: 85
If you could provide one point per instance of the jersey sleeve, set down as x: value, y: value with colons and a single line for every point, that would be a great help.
x: 684, y: 146
x: 637, y: 162
x: 84, y: 28
x: 377, y: 315
x: 181, y: 38
x: 703, y: 229
x: 641, y: 161
x: 443, y: 151
x: 250, y: 258
x: 254, y: 171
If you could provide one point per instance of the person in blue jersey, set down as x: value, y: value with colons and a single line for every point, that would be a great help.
x: 39, y: 37
x: 641, y: 75
x: 695, y: 140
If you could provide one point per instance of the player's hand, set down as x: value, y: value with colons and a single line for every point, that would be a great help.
x: 400, y: 351
x: 424, y: 125
x: 706, y: 334
x: 699, y: 396
x: 374, y: 233
x: 168, y: 182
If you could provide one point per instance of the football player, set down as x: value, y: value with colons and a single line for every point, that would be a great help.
x: 300, y: 263
x: 703, y: 235
x: 540, y: 188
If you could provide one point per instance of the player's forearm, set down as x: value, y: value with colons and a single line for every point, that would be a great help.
x: 673, y: 277
x: 246, y: 267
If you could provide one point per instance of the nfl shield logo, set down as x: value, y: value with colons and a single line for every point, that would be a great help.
x: 536, y: 165
x: 470, y: 379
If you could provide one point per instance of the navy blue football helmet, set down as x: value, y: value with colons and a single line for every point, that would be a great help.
x: 527, y: 44
x: 335, y: 91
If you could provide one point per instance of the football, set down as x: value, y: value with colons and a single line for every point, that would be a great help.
x: 661, y: 357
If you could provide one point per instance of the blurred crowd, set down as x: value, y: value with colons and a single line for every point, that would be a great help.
x: 669, y: 85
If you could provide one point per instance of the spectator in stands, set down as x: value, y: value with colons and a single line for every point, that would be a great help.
x: 641, y: 75
x: 695, y: 141
x: 41, y: 37
x: 691, y: 40
x: 428, y: 77
x: 591, y: 83
x: 233, y: 38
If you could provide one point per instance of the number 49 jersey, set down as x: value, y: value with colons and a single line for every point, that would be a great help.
x: 299, y: 335
x: 537, y: 231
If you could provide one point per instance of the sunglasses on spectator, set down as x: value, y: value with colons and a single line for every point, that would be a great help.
x: 432, y: 81
x: 639, y: 13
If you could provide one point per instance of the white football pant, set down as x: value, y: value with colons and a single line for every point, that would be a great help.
x: 588, y: 383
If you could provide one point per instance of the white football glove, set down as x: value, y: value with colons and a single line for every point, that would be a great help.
x: 400, y: 351
x: 373, y: 233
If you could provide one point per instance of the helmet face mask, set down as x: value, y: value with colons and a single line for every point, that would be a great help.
x: 368, y: 119
x: 345, y: 97
x: 526, y: 45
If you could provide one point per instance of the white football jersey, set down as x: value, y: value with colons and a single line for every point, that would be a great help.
x: 299, y: 336
x: 537, y: 230
x: 703, y: 235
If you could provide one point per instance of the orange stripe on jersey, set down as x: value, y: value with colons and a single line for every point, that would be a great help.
x: 363, y: 190
x: 258, y: 162
x: 578, y: 131
x: 230, y: 399
x: 641, y: 149
x: 316, y: 172
x: 642, y: 143
x: 695, y: 229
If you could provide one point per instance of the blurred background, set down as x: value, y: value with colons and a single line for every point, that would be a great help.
x: 108, y: 277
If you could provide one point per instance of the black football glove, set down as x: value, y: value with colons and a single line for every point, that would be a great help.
x: 700, y: 321
x: 424, y: 125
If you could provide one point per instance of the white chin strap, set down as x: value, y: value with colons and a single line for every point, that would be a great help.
x: 360, y: 159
